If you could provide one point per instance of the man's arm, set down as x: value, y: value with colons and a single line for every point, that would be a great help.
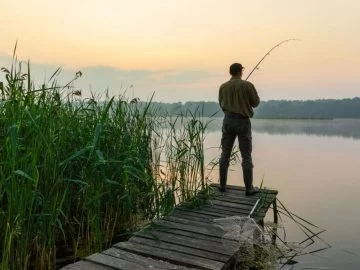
x: 220, y: 98
x: 253, y: 96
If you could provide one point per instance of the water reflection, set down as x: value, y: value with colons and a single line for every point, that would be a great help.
x: 347, y: 128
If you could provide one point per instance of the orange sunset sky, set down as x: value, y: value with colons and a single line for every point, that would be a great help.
x: 182, y: 49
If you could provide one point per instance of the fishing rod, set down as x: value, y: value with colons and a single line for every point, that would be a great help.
x: 252, y: 71
x: 268, y: 53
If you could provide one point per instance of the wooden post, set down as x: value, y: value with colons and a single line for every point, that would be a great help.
x: 275, y: 211
x: 276, y: 220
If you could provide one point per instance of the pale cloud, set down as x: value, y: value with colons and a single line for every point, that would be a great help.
x: 168, y: 85
x: 190, y: 84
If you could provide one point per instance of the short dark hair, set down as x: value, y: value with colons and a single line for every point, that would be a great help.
x: 235, y: 69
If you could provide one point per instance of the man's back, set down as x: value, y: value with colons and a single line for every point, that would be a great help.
x: 238, y: 96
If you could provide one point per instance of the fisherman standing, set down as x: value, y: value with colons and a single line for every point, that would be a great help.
x: 237, y: 98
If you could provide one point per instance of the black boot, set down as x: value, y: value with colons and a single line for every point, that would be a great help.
x: 248, y: 181
x: 223, y: 177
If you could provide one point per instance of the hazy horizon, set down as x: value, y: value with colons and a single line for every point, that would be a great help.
x: 98, y: 79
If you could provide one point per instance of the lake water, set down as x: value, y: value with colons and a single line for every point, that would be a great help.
x: 315, y: 166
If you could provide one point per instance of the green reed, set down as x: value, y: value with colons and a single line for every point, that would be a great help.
x: 77, y: 172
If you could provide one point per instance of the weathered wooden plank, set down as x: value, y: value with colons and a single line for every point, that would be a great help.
x: 217, y: 212
x: 230, y: 205
x: 195, y: 217
x: 210, y: 226
x: 260, y: 210
x: 260, y: 213
x: 180, y: 248
x: 263, y: 190
x: 181, y: 212
x: 206, y: 223
x: 180, y: 220
x: 262, y: 207
x: 181, y: 232
x: 233, y: 199
x: 170, y: 256
x: 226, y: 211
x: 202, y: 244
x: 240, y: 188
x: 192, y: 216
x: 211, y: 229
x: 202, y: 211
x: 236, y: 194
x: 84, y: 265
x: 233, y: 194
x: 214, y: 232
x: 146, y: 262
x: 214, y: 211
x: 113, y: 262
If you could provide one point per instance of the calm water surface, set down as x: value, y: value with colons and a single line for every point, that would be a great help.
x: 315, y: 166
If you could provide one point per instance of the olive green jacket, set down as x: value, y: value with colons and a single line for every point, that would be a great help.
x: 238, y: 96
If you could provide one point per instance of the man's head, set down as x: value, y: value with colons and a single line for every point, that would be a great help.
x: 236, y: 70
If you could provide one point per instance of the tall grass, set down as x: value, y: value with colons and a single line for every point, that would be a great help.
x: 75, y: 172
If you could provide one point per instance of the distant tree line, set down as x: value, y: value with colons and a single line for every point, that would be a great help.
x: 321, y: 108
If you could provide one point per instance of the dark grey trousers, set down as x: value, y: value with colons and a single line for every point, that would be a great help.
x: 240, y: 127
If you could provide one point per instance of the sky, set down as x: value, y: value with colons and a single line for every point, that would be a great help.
x: 182, y: 49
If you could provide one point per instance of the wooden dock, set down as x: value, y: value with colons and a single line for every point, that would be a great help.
x: 185, y: 239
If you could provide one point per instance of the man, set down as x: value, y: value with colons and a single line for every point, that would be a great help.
x: 237, y: 98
